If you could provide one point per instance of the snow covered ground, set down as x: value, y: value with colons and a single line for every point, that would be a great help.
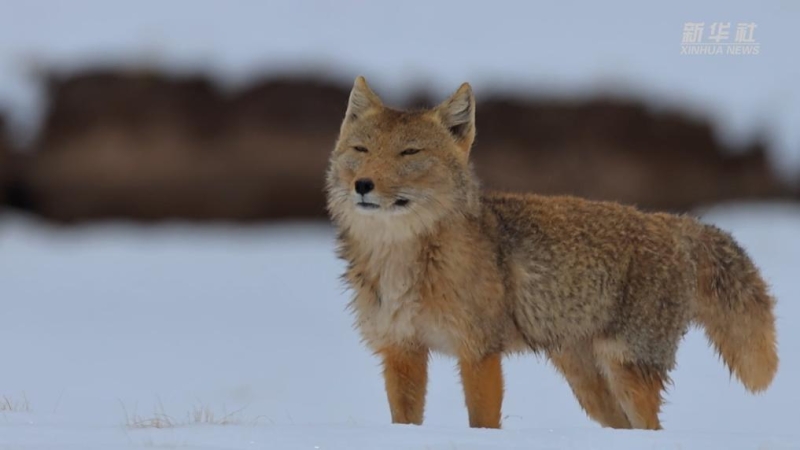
x: 237, y: 337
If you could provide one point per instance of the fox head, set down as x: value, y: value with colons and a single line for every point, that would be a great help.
x: 396, y: 174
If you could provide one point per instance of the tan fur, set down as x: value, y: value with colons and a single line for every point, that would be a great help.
x: 483, y: 390
x: 580, y: 367
x: 405, y: 371
x: 638, y: 391
x: 605, y: 290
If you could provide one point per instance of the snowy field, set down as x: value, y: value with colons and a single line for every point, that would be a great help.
x: 232, y: 337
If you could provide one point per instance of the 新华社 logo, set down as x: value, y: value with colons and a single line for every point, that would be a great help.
x: 719, y: 38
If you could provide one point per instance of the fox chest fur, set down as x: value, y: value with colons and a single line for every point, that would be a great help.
x: 391, y: 304
x: 427, y: 295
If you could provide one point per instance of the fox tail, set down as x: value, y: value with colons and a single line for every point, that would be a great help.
x: 735, y: 308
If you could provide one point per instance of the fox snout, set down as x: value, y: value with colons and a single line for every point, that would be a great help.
x: 364, y: 186
x: 365, y: 196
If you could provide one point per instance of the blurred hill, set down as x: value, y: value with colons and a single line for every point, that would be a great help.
x: 5, y: 156
x: 147, y: 146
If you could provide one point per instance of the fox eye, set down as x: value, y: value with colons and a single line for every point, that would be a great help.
x: 360, y: 149
x: 409, y: 151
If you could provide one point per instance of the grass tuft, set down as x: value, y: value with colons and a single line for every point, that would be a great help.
x: 200, y: 414
x: 10, y: 404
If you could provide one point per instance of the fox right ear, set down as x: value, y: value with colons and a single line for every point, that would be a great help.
x: 362, y: 99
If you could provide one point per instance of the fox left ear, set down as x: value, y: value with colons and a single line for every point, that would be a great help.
x: 457, y: 113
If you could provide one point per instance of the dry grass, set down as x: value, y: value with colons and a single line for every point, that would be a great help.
x: 11, y: 404
x: 200, y: 414
x: 205, y: 415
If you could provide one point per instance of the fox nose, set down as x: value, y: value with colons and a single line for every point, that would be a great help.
x: 364, y: 185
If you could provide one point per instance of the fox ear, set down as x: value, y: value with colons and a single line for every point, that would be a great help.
x: 457, y: 113
x: 362, y: 99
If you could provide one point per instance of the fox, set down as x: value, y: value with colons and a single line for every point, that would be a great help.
x: 604, y: 291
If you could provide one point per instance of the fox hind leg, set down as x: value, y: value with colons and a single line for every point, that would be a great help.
x: 579, y: 367
x: 639, y: 390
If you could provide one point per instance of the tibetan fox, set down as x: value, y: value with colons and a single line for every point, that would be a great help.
x: 604, y: 290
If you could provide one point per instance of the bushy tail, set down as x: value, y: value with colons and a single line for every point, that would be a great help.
x: 736, y: 310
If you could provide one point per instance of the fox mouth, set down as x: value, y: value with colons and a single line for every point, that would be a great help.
x: 399, y: 203
x: 368, y: 205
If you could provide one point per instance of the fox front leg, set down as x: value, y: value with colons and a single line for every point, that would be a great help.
x: 483, y: 390
x: 406, y: 374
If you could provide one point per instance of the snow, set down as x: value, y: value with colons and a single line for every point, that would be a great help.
x: 557, y: 49
x: 109, y: 326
